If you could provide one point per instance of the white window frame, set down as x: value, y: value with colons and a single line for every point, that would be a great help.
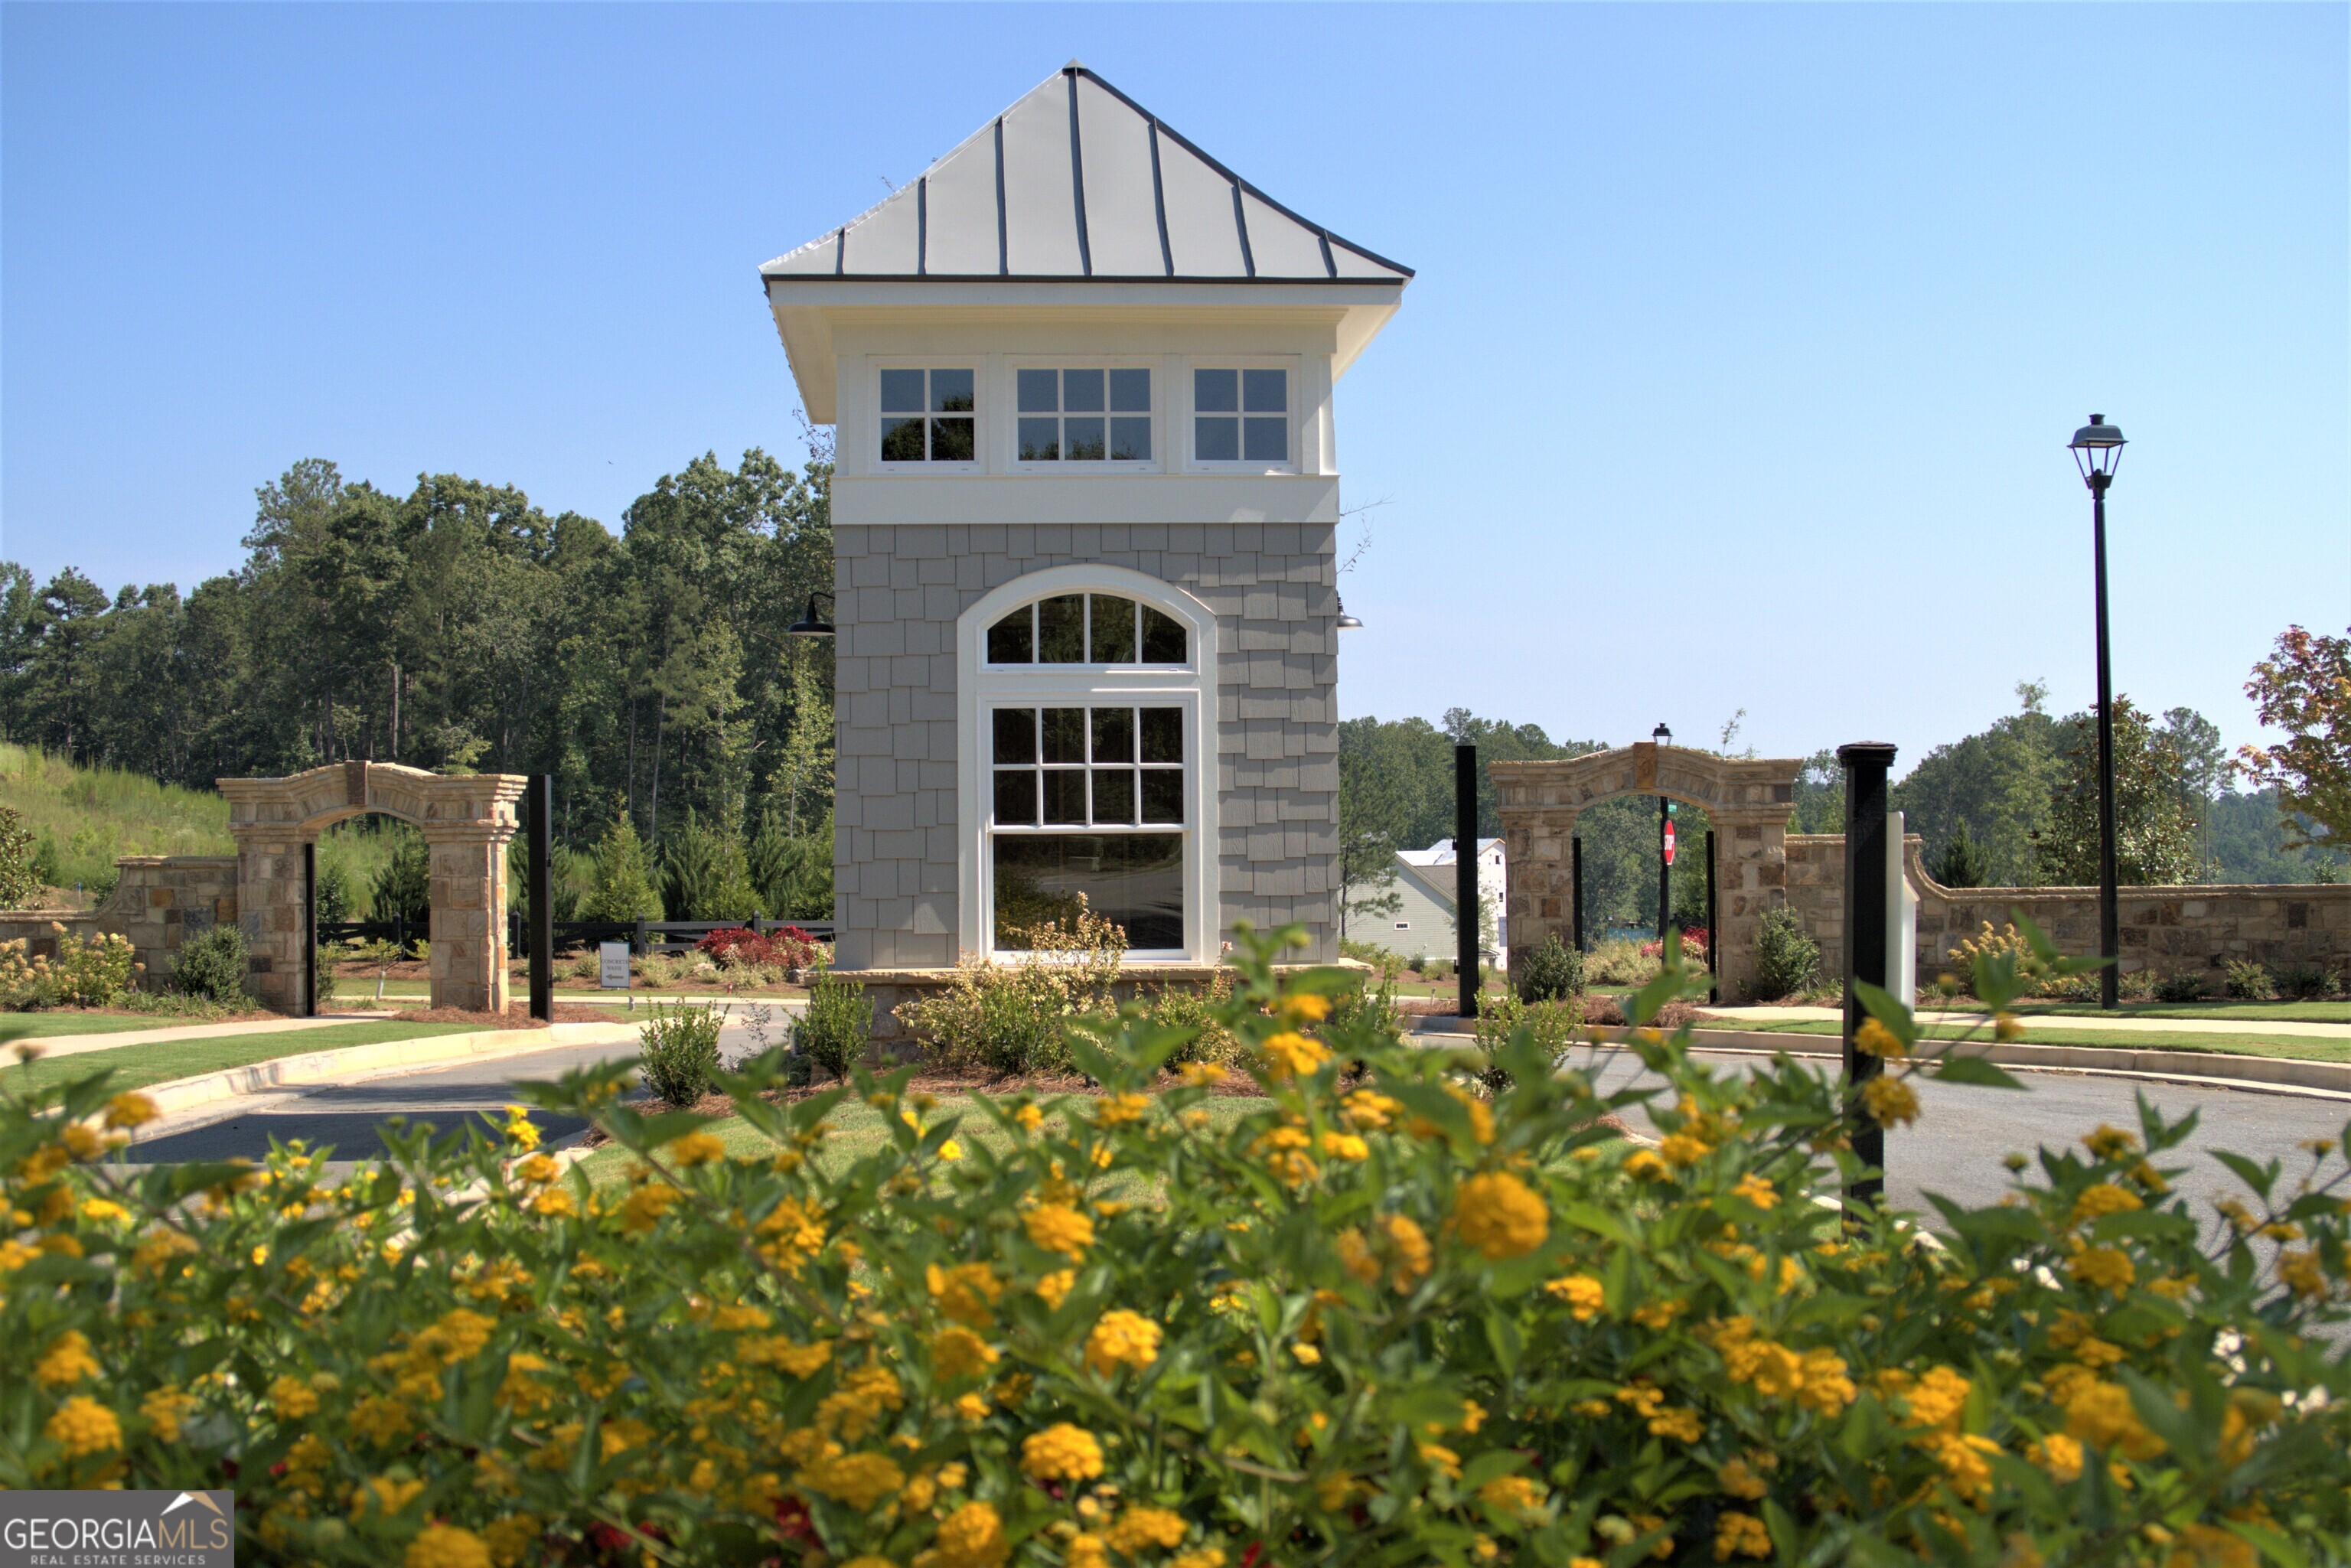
x: 1289, y: 362
x: 980, y: 397
x: 982, y: 687
x: 1009, y: 392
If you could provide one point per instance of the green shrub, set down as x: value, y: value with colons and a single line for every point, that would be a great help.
x: 211, y: 964
x: 679, y: 1057
x: 1364, y: 1008
x: 834, y: 1032
x: 1786, y: 960
x: 706, y: 874
x: 1375, y: 1320
x: 1014, y: 1018
x: 1201, y: 1011
x: 2308, y: 982
x: 1504, y: 1019
x: 1550, y: 973
x: 2181, y: 986
x: 1620, y: 963
x: 2247, y: 981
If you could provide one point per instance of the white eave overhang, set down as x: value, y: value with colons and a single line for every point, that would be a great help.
x: 808, y: 309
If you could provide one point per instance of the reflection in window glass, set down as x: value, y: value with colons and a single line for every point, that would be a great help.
x: 1088, y: 629
x: 1052, y: 752
x: 1061, y: 416
x: 1061, y: 630
x: 1240, y: 416
x: 1134, y: 880
x: 1112, y: 627
x: 917, y: 439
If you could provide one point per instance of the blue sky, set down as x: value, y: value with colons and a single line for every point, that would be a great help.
x: 1737, y: 373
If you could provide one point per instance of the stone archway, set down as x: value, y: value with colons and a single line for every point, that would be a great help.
x: 1749, y: 803
x: 467, y: 820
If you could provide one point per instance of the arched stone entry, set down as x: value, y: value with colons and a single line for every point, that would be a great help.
x: 1749, y: 803
x: 467, y: 820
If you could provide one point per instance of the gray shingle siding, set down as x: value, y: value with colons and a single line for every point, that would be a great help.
x: 898, y: 592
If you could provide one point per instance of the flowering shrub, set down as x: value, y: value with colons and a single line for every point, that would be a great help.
x: 88, y: 972
x: 1014, y: 1018
x: 791, y: 948
x: 1693, y: 946
x: 1380, y: 1320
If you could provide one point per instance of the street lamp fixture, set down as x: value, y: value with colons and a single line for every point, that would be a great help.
x: 1346, y: 622
x: 1662, y: 736
x: 812, y: 624
x: 2098, y: 449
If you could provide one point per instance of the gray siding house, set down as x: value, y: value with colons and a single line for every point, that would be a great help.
x: 1081, y: 377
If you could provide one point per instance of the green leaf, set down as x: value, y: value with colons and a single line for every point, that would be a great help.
x: 2260, y: 1178
x: 1973, y: 1070
x: 1893, y: 1014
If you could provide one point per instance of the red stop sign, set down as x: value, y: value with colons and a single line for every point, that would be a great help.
x: 1669, y: 842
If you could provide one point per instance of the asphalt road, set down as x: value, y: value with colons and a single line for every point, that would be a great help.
x: 1956, y: 1145
x: 1954, y: 1148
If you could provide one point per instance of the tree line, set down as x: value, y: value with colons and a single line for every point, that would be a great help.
x: 2014, y: 805
x: 462, y: 627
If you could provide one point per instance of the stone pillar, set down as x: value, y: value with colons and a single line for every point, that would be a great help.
x: 1750, y: 857
x: 469, y: 913
x: 269, y: 908
x: 1538, y: 871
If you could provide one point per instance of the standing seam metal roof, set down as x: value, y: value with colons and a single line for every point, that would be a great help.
x: 1120, y: 196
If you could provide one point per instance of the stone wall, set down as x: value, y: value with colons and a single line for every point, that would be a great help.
x: 898, y: 592
x: 158, y: 902
x: 2166, y: 929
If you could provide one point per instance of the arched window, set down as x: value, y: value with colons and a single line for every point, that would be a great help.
x: 1087, y: 763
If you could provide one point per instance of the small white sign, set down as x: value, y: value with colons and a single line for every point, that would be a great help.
x: 613, y: 966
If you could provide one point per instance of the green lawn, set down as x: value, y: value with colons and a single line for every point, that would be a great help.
x: 18, y: 1026
x: 2297, y: 1012
x: 857, y: 1131
x: 2301, y: 1047
x: 136, y: 1066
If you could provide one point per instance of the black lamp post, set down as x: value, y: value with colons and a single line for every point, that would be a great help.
x: 1664, y: 737
x: 2097, y: 450
x: 811, y: 624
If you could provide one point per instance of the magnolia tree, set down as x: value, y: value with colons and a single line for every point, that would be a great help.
x: 1408, y: 1306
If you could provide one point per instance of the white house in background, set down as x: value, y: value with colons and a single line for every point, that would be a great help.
x: 1423, y: 924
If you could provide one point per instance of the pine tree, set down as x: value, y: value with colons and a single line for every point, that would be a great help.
x: 625, y: 879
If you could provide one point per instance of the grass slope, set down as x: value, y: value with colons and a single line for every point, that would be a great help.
x: 137, y: 1066
x: 81, y: 818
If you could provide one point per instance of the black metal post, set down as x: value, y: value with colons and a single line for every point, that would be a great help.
x: 310, y: 930
x: 1465, y: 875
x: 1575, y: 854
x: 1866, y: 764
x: 1713, y: 927
x: 1665, y: 876
x: 542, y: 896
x: 2109, y: 915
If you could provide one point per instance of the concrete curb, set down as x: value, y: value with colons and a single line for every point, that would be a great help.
x: 180, y: 1096
x: 2204, y: 1068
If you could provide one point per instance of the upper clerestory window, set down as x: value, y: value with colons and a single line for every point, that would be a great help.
x: 1088, y: 415
x: 1240, y: 416
x: 928, y: 416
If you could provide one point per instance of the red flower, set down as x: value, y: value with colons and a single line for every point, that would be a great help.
x: 792, y: 1519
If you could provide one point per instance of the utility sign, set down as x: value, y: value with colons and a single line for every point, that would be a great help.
x: 1670, y: 844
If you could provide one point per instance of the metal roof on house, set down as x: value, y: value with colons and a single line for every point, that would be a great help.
x: 1079, y: 181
